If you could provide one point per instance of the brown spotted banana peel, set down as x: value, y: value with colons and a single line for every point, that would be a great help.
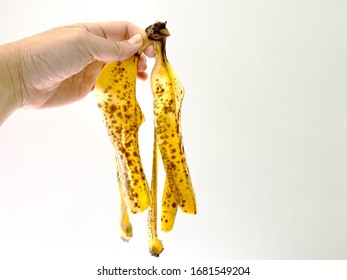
x: 115, y: 90
x: 116, y: 96
x: 168, y: 95
x: 154, y: 244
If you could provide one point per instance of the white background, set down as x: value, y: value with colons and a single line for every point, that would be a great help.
x: 264, y: 123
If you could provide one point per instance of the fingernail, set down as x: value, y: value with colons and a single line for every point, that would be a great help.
x: 136, y: 39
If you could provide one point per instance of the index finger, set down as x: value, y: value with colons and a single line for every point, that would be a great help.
x: 116, y: 31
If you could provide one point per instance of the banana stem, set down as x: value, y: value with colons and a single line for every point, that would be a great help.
x: 146, y: 42
x: 154, y: 32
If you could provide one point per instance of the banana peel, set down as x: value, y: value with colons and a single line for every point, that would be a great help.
x: 116, y: 97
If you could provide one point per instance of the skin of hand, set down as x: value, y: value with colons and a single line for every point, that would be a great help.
x: 61, y: 65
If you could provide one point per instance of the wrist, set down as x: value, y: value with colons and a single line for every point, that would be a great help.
x: 9, y: 101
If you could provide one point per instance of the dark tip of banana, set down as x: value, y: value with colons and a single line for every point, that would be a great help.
x: 155, y: 255
x: 157, y: 31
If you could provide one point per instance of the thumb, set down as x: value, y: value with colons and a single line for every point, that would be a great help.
x: 106, y: 50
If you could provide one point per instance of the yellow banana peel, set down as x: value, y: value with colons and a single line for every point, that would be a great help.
x: 168, y: 95
x: 116, y: 96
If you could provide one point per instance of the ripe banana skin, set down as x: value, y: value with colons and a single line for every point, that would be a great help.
x: 126, y: 228
x: 154, y: 244
x: 168, y: 96
x: 168, y: 208
x: 115, y: 90
x: 116, y: 96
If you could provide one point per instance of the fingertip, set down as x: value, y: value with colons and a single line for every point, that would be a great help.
x: 142, y: 76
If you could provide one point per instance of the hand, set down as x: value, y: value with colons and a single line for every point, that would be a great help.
x: 61, y: 65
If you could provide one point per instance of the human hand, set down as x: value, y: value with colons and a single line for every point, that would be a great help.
x: 61, y: 65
